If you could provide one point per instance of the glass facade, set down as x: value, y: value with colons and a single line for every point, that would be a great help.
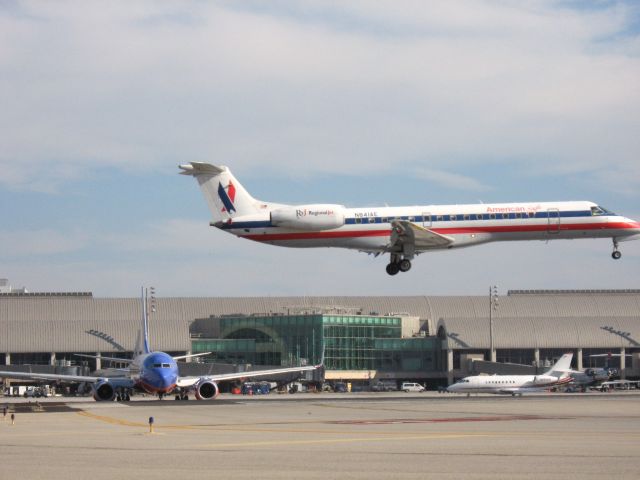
x: 349, y: 342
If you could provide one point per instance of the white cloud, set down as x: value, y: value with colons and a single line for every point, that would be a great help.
x: 42, y: 242
x: 235, y: 267
x: 451, y: 180
x: 343, y: 86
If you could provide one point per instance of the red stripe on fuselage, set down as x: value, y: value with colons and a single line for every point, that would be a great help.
x: 265, y: 237
x: 151, y: 389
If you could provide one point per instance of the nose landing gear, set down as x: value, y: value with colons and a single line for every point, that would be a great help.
x: 616, y: 253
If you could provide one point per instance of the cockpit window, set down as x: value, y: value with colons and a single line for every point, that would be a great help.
x: 598, y: 210
x: 157, y: 365
x: 166, y: 365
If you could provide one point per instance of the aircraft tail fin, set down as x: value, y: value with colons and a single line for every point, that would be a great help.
x: 142, y: 340
x: 562, y: 366
x: 225, y: 196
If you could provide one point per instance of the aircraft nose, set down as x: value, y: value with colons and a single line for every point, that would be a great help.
x: 167, y: 380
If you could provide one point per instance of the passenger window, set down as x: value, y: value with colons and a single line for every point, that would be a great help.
x: 412, y: 219
x: 384, y: 220
x: 467, y: 217
x: 440, y: 218
x: 372, y: 220
x: 492, y: 216
x: 478, y: 217
x: 358, y: 220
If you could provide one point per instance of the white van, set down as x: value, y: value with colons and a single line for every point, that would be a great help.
x: 412, y: 387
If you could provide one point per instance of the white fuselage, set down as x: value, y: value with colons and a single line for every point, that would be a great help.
x: 369, y: 229
x: 506, y: 383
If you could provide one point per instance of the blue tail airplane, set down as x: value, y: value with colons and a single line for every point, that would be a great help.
x: 152, y: 372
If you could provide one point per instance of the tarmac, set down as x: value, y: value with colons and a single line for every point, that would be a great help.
x: 326, y: 436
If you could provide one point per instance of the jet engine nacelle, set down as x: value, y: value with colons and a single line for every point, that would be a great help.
x: 103, y: 391
x: 309, y: 217
x: 544, y: 380
x: 207, y: 390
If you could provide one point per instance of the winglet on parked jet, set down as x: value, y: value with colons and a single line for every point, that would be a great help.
x: 402, y: 232
x: 153, y: 372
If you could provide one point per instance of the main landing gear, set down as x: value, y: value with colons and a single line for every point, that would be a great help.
x: 616, y: 253
x: 398, y: 264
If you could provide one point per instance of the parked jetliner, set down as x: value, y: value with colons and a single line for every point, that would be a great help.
x: 403, y: 232
x: 517, y: 384
x: 152, y: 372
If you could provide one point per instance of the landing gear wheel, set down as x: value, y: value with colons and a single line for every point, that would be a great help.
x: 616, y: 255
x: 405, y: 265
x: 393, y: 268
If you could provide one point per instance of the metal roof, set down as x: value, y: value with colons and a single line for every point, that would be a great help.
x: 59, y: 323
x: 543, y: 332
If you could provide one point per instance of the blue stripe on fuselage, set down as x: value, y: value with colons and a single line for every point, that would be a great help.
x: 446, y: 217
x: 256, y: 224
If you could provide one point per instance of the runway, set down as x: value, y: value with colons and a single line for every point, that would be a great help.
x: 314, y: 436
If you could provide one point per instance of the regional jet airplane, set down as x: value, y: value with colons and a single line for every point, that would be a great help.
x: 152, y: 372
x: 403, y: 232
x: 514, y: 385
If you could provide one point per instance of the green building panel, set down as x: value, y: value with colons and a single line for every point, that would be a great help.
x: 349, y: 342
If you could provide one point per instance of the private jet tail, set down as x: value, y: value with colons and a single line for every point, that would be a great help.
x: 562, y: 367
x: 225, y: 196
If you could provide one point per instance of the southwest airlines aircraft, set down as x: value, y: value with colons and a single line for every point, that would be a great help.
x: 517, y: 384
x: 403, y: 232
x: 152, y: 372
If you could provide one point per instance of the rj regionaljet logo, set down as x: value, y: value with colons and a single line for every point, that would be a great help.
x: 227, y: 196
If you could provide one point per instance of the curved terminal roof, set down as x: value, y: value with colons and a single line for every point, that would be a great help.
x: 73, y: 322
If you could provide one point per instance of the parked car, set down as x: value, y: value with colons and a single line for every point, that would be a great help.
x: 384, y: 387
x: 412, y: 387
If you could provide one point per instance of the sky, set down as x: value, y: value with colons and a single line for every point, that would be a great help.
x: 350, y: 102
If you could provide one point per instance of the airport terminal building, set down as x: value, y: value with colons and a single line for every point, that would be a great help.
x: 430, y: 339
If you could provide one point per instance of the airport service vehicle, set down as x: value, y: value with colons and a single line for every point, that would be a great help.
x: 617, y: 385
x: 411, y: 387
x: 152, y: 372
x: 402, y: 232
x: 556, y: 376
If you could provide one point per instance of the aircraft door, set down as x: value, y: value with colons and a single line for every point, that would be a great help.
x: 553, y: 226
x: 426, y: 219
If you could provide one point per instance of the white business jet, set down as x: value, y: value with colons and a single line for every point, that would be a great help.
x: 557, y: 375
x: 403, y: 232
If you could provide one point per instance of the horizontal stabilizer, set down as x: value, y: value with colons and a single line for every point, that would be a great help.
x: 200, y: 168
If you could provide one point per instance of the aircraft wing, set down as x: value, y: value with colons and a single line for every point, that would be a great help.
x: 190, y: 381
x: 110, y: 359
x: 49, y: 376
x: 421, y: 238
x: 191, y: 355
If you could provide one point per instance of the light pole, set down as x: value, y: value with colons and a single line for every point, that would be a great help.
x: 493, y: 308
